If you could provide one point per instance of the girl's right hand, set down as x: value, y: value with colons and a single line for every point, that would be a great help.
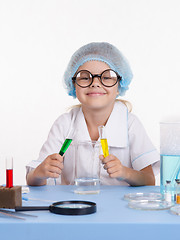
x: 51, y: 167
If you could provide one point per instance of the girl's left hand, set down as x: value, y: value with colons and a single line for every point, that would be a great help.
x: 113, y: 166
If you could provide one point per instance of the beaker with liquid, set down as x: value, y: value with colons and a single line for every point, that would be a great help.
x: 170, y: 153
x: 87, y: 167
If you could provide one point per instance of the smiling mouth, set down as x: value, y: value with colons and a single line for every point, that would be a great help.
x: 95, y: 94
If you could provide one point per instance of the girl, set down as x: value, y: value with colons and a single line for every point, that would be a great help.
x: 97, y: 74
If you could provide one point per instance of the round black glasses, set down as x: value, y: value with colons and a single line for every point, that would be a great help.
x: 108, y: 78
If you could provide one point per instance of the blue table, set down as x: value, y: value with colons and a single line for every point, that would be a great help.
x: 113, y: 219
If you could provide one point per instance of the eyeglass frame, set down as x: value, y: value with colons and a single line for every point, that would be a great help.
x: 119, y: 78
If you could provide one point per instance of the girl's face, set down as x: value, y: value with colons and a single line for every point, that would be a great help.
x: 96, y: 96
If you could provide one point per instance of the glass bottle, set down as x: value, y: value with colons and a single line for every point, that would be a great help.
x: 168, y: 191
x: 178, y: 192
x: 175, y: 187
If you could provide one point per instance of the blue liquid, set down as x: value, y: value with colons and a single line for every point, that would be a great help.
x: 170, y: 170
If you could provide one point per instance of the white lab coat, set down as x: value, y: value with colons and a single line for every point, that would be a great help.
x: 127, y: 140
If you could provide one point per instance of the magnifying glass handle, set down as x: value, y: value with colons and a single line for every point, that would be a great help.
x: 31, y: 208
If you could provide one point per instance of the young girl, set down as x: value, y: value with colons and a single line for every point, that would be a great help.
x: 97, y: 74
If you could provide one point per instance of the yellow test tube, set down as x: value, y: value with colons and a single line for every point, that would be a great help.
x: 103, y: 139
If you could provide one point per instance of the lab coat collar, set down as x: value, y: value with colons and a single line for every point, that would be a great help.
x: 80, y: 125
x: 116, y: 126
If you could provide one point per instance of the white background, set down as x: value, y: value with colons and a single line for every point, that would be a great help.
x: 37, y: 39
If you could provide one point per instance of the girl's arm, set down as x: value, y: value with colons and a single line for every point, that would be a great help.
x: 51, y: 167
x: 138, y: 178
x: 33, y: 180
x: 133, y: 177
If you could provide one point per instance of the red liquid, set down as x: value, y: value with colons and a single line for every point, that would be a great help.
x: 9, y: 178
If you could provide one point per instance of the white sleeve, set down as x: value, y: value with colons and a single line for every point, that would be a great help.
x: 55, y: 139
x: 142, y: 151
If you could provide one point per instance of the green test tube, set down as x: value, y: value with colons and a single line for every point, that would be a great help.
x: 65, y: 146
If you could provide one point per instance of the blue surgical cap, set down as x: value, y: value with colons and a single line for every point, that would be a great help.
x: 99, y: 51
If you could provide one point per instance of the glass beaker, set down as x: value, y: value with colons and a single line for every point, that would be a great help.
x: 87, y: 167
x: 170, y: 153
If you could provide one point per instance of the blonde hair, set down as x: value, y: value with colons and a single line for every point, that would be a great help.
x: 125, y: 102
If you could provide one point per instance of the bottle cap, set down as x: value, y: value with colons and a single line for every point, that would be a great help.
x: 168, y: 181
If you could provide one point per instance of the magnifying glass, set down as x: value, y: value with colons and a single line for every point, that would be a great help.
x: 64, y: 208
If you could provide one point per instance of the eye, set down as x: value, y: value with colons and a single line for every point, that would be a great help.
x: 83, y: 78
x: 109, y: 75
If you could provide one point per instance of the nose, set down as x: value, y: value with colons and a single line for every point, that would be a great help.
x: 96, y: 82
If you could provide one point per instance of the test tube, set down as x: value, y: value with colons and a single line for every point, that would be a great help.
x: 65, y: 146
x: 103, y: 139
x: 63, y: 149
x: 67, y: 141
x: 9, y: 172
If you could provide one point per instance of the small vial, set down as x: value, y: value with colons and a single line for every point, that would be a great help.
x: 168, y: 191
x: 175, y: 188
x: 178, y: 192
x: 9, y: 172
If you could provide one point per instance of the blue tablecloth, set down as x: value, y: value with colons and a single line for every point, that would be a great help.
x: 113, y: 219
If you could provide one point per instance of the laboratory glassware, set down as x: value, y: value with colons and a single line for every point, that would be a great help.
x: 170, y: 153
x: 168, y: 191
x: 103, y: 139
x: 150, y: 205
x: 140, y: 196
x: 9, y: 171
x: 87, y: 167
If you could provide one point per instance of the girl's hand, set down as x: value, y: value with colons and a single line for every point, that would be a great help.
x: 113, y: 166
x: 133, y: 177
x: 51, y: 167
